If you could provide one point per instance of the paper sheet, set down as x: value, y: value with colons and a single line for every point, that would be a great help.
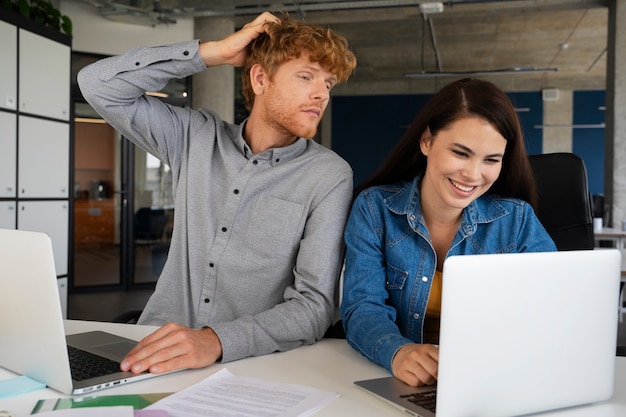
x: 227, y: 395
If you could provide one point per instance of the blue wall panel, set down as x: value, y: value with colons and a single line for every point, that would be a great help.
x: 365, y: 128
x: 588, y: 143
x: 529, y: 108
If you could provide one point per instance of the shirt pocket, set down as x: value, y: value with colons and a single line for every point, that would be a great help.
x: 395, y: 281
x: 276, y: 228
x: 395, y: 277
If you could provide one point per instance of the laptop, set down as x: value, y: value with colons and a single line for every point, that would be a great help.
x: 33, y: 341
x: 520, y: 333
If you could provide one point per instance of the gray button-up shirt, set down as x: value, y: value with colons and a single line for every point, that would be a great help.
x: 257, y: 243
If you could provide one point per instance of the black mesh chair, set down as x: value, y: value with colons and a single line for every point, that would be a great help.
x: 564, y: 206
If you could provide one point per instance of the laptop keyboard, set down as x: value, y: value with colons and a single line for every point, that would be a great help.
x: 426, y: 399
x: 85, y: 365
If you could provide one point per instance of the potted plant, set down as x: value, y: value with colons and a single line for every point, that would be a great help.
x: 41, y: 11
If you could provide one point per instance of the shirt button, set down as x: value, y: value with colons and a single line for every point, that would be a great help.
x: 255, y: 162
x: 277, y: 160
x: 236, y: 191
x: 416, y: 316
x: 424, y: 279
x: 211, y: 264
x: 137, y: 64
x: 186, y: 53
x: 224, y: 229
x: 206, y: 300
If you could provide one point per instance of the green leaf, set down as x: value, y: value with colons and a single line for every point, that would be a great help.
x: 66, y: 25
x: 24, y: 8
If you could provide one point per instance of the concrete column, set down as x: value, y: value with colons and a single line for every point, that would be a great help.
x: 558, y: 113
x: 615, y: 160
x: 214, y: 89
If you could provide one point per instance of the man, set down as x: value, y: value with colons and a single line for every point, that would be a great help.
x: 257, y: 243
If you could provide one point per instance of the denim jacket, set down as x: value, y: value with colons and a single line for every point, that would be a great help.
x: 390, y: 261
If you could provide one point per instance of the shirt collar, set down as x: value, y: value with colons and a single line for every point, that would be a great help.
x: 406, y: 201
x: 277, y: 156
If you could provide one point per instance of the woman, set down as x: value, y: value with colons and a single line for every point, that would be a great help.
x: 458, y: 182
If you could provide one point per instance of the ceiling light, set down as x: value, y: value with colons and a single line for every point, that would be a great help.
x: 507, y: 71
x: 431, y: 7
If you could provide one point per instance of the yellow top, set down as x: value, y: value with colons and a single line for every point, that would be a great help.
x: 433, y: 311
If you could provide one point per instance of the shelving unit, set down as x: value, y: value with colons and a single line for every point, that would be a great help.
x: 36, y: 134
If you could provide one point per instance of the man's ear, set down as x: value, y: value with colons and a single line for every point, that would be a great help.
x: 258, y: 79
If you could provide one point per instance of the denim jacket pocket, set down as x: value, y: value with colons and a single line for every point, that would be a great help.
x: 396, y: 277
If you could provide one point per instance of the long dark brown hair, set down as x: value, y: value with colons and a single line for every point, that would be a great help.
x: 459, y: 99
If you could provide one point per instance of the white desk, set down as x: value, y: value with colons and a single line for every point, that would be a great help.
x: 614, y: 235
x: 329, y: 365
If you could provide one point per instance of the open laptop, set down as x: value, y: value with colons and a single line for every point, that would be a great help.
x: 32, y: 336
x: 520, y: 333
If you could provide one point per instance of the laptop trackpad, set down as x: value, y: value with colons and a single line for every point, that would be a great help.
x: 115, y: 349
x: 102, y: 343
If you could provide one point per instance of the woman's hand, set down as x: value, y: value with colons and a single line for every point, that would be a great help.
x: 416, y: 364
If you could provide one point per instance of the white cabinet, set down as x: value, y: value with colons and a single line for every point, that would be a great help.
x: 35, y: 134
x: 44, y: 151
x: 51, y: 217
x: 7, y: 214
x: 7, y: 153
x: 8, y: 81
x: 44, y: 82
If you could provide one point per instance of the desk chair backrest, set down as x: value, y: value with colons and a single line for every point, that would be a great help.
x: 564, y: 206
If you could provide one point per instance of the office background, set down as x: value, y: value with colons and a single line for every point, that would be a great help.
x: 574, y: 109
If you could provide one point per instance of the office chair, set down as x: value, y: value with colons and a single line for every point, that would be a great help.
x: 564, y: 205
x: 150, y: 224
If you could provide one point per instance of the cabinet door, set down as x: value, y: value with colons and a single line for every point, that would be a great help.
x: 8, y: 52
x: 44, y: 152
x: 8, y: 154
x: 44, y: 76
x: 7, y: 214
x: 51, y: 217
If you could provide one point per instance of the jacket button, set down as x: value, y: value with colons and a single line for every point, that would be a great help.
x: 416, y: 316
x: 424, y: 279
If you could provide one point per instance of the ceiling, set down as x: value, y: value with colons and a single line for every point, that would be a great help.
x: 392, y: 38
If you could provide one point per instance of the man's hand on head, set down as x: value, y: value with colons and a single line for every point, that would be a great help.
x: 232, y: 50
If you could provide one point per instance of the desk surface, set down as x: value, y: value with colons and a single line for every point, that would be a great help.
x: 610, y: 232
x: 329, y: 365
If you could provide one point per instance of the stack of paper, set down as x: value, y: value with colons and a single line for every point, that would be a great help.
x: 224, y: 394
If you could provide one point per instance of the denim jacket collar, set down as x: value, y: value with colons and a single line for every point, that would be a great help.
x: 406, y: 201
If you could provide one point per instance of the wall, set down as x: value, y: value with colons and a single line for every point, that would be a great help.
x: 348, y: 133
